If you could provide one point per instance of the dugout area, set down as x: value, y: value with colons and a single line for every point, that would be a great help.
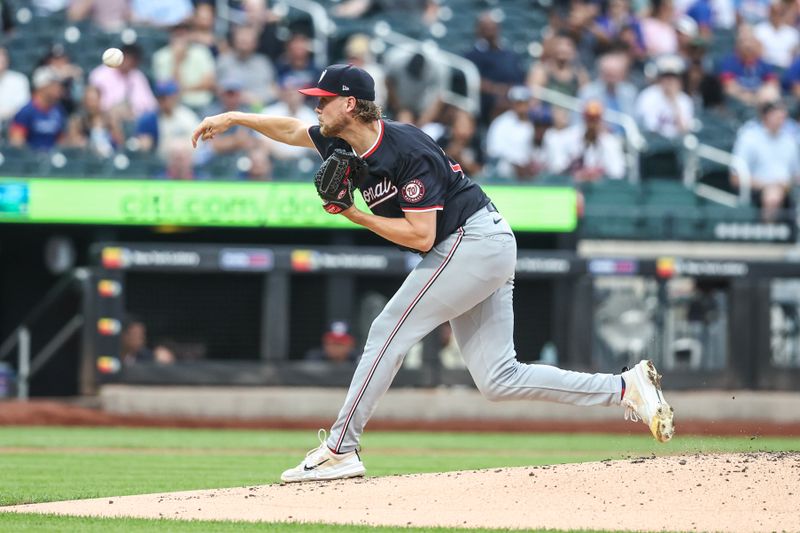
x: 245, y: 315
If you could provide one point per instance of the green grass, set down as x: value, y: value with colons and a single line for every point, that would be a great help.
x: 44, y: 523
x: 40, y: 464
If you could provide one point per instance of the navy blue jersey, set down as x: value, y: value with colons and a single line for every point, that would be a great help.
x: 408, y: 171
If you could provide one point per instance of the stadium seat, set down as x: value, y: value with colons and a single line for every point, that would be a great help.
x: 21, y: 162
x: 661, y: 158
x: 611, y: 222
x: 223, y: 167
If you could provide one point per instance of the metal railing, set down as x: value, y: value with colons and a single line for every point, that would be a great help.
x: 634, y: 140
x: 29, y: 365
x: 696, y: 151
x: 469, y: 102
x: 635, y: 143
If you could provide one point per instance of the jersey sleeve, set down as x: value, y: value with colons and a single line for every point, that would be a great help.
x: 22, y: 120
x: 421, y: 182
x: 325, y: 145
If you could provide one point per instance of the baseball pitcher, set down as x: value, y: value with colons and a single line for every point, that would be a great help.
x: 421, y: 200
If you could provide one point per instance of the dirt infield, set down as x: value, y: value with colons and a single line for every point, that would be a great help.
x: 734, y: 492
x: 52, y: 413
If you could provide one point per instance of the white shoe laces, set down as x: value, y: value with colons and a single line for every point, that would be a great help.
x: 630, y: 411
x: 322, y: 435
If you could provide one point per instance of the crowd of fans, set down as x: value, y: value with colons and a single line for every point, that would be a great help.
x: 657, y: 61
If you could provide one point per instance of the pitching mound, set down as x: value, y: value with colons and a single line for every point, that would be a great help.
x: 737, y: 492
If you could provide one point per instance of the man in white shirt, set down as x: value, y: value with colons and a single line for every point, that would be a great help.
x: 510, y: 137
x: 611, y: 87
x: 190, y: 64
x: 15, y: 91
x: 778, y: 39
x: 586, y: 151
x: 243, y: 62
x: 663, y: 107
x: 168, y: 126
x: 772, y: 156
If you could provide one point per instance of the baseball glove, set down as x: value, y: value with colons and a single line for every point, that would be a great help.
x: 336, y: 179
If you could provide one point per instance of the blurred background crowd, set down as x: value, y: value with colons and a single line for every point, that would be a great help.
x: 723, y: 71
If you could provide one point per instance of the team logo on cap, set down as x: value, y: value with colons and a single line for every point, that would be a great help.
x: 413, y: 191
x: 322, y: 76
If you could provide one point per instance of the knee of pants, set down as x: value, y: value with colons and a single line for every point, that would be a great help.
x: 494, y: 386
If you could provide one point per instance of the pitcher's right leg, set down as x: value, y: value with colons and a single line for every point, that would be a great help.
x: 485, y: 335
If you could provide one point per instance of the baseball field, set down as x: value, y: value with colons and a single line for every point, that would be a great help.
x: 416, y: 481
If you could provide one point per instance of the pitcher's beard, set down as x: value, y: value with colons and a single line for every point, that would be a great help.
x: 328, y: 130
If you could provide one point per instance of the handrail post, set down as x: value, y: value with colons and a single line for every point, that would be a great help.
x: 87, y: 381
x: 24, y: 362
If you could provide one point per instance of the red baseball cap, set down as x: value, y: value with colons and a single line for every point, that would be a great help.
x: 343, y: 80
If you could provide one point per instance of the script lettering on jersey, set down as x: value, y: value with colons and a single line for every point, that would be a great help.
x: 381, y: 191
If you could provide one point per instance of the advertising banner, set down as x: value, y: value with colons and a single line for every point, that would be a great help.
x: 235, y: 204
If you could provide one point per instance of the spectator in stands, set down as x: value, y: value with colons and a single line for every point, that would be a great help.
x: 619, y: 23
x: 449, y: 353
x: 460, y: 141
x: 93, y: 128
x: 124, y: 89
x: 711, y: 14
x: 542, y: 119
x: 689, y: 32
x: 358, y: 53
x: 235, y: 139
x: 15, y: 90
x: 658, y: 30
x: 202, y: 27
x: 559, y: 68
x: 266, y: 21
x: 6, y: 19
x: 259, y: 165
x: 179, y: 161
x: 700, y: 81
x: 577, y: 21
x: 586, y: 151
x: 771, y: 153
x: 791, y: 79
x: 190, y: 64
x: 509, y: 141
x: 500, y: 68
x: 71, y: 76
x: 750, y: 12
x: 133, y: 346
x: 40, y: 124
x: 338, y: 345
x: 778, y: 37
x: 415, y: 83
x: 426, y: 10
x: 297, y: 62
x: 610, y: 88
x: 107, y: 15
x: 172, y: 122
x: 290, y: 104
x: 253, y: 69
x: 743, y: 73
x: 663, y: 107
x: 161, y: 13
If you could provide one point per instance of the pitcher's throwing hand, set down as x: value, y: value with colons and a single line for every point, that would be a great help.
x: 211, y: 126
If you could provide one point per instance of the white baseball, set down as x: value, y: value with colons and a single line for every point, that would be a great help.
x: 113, y: 57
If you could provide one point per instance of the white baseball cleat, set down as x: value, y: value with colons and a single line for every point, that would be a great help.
x: 322, y: 464
x: 644, y: 401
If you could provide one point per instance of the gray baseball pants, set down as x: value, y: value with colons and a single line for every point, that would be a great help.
x: 468, y: 280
